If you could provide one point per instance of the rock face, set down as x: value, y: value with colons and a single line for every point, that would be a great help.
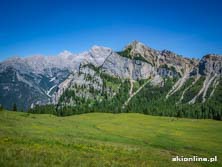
x: 40, y: 80
x: 24, y: 85
x: 99, y: 54
x: 211, y: 64
x: 125, y: 68
x: 176, y: 62
x: 139, y: 49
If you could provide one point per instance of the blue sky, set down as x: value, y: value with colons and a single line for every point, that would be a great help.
x: 28, y: 27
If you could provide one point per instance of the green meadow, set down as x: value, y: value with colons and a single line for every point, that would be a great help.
x: 105, y: 139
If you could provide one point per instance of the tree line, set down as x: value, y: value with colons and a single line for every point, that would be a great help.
x: 151, y: 101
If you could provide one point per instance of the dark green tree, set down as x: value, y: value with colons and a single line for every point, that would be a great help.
x: 14, y: 108
x: 1, y: 108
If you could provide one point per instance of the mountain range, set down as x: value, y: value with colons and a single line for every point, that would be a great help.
x: 136, y: 79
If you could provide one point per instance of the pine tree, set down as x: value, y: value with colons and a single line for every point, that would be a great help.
x: 14, y: 108
x: 1, y: 107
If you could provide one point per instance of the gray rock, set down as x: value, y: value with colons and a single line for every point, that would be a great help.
x: 125, y: 68
x: 210, y: 64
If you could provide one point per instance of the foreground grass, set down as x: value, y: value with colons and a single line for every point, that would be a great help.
x: 99, y: 139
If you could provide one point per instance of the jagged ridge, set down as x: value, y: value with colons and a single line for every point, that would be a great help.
x: 90, y: 77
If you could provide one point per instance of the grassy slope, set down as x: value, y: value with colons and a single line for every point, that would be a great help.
x: 102, y: 139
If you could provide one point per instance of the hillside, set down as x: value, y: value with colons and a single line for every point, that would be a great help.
x: 103, y: 139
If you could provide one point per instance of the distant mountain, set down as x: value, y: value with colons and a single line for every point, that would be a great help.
x: 137, y: 79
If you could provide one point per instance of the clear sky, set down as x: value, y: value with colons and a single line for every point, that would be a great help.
x: 188, y: 27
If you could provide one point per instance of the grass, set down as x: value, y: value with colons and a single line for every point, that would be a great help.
x: 103, y: 139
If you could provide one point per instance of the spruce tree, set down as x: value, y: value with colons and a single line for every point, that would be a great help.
x: 14, y: 108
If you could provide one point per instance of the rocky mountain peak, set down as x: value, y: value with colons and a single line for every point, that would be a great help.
x: 16, y: 63
x: 65, y: 54
x: 211, y: 64
x: 98, y: 54
x: 98, y: 51
x: 213, y: 57
x: 136, y: 45
x: 138, y: 49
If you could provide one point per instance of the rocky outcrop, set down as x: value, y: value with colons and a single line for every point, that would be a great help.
x: 125, y: 68
x: 138, y: 49
x: 211, y: 64
x: 176, y: 62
